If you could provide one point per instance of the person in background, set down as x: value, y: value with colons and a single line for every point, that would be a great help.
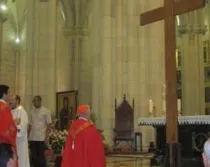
x: 18, y: 112
x: 206, y: 153
x: 40, y: 122
x: 8, y: 129
x: 84, y: 147
x: 7, y: 156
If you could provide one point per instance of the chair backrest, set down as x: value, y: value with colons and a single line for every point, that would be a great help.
x: 124, y: 118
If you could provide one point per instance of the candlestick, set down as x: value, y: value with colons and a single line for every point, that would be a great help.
x: 179, y: 106
x: 151, y: 106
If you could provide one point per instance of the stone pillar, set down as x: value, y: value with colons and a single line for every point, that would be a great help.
x: 74, y: 38
x: 132, y: 43
x: 40, y: 61
x: 81, y: 77
x: 47, y: 53
x: 208, y: 17
x: 3, y: 18
x: 192, y: 67
x: 75, y: 62
x: 28, y: 57
x: 106, y: 100
x: 152, y: 59
x: 20, y: 54
x: 95, y: 39
x: 1, y: 58
x: 85, y: 75
x: 119, y: 53
x: 17, y: 78
x: 64, y: 54
x: 151, y: 68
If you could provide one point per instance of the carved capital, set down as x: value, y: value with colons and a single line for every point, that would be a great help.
x: 192, y: 29
x: 77, y: 31
x: 3, y: 16
x: 200, y: 29
x: 182, y: 29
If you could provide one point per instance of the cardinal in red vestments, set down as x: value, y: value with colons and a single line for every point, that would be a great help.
x: 8, y: 129
x: 84, y: 146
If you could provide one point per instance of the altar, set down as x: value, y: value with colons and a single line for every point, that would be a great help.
x: 193, y: 131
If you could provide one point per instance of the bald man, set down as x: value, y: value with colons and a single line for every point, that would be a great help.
x: 206, y: 153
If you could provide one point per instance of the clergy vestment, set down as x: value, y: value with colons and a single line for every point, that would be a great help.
x: 8, y: 130
x: 84, y: 147
x: 22, y: 136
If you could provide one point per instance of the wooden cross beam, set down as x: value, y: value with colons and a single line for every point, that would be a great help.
x: 168, y: 13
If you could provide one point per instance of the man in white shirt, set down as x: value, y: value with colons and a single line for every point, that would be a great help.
x: 19, y: 113
x: 40, y: 121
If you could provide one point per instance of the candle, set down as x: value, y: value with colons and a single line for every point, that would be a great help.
x: 164, y: 99
x: 150, y: 106
x: 164, y: 105
x: 179, y: 105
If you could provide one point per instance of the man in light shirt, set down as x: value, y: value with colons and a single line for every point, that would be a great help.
x: 40, y: 121
x: 18, y: 112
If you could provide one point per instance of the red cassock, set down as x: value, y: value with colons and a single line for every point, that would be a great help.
x: 84, y: 147
x: 8, y: 129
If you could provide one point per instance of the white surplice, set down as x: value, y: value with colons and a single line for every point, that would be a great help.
x: 22, y: 136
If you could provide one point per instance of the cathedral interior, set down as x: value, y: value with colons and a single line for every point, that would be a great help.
x: 98, y: 49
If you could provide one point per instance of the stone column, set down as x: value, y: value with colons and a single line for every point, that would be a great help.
x: 47, y: 53
x: 95, y: 39
x: 151, y: 68
x: 119, y: 52
x: 3, y: 18
x: 75, y: 62
x: 106, y: 101
x: 40, y: 61
x: 192, y: 67
x: 64, y: 53
x: 132, y: 43
x: 81, y: 62
x: 28, y: 81
x: 17, y: 78
x: 85, y: 75
x: 74, y: 38
x: 1, y: 58
x: 20, y: 54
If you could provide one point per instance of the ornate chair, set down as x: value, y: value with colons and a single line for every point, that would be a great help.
x: 123, y: 130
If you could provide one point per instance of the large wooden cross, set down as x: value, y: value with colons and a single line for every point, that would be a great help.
x: 168, y: 13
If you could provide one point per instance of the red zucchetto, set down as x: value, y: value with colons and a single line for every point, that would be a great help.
x: 82, y: 109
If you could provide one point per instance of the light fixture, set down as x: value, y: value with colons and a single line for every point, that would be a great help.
x: 3, y: 7
x: 17, y: 40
